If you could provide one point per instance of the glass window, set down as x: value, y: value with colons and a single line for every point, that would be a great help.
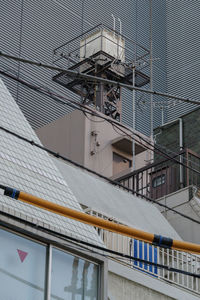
x: 73, y: 277
x: 22, y: 268
x: 159, y: 180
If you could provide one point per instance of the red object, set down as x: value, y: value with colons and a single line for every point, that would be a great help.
x: 22, y: 255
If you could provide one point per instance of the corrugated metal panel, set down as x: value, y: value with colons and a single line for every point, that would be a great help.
x: 44, y: 27
x: 183, y: 55
x: 10, y: 23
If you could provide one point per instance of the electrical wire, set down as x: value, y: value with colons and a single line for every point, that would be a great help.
x: 98, y: 79
x: 116, y: 183
x: 83, y: 243
x: 90, y: 111
x: 111, y: 121
x: 95, y: 121
x: 78, y: 74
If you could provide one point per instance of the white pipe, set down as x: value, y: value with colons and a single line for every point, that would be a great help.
x: 168, y: 123
x: 113, y: 21
x: 181, y: 148
x: 162, y: 116
x: 134, y: 107
x: 120, y: 25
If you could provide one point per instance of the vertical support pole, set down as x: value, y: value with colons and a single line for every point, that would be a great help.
x: 113, y: 22
x: 134, y: 93
x: 134, y: 104
x: 181, y: 148
x: 151, y: 76
x: 162, y: 115
x: 48, y: 273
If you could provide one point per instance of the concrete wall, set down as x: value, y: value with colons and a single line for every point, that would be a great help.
x: 65, y: 136
x: 129, y: 284
x: 121, y: 288
x: 72, y: 137
x: 168, y: 135
x: 183, y: 202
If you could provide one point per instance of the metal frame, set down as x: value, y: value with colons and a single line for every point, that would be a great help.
x: 101, y: 65
x: 140, y: 180
x: 9, y: 223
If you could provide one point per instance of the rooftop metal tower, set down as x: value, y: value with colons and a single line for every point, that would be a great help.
x: 106, y: 53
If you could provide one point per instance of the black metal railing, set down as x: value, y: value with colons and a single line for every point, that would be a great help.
x: 164, y: 177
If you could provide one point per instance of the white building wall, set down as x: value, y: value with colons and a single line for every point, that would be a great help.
x: 122, y: 288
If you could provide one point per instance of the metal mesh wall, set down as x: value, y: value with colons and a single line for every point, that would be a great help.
x: 33, y: 29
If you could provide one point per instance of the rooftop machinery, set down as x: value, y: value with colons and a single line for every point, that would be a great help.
x: 106, y: 53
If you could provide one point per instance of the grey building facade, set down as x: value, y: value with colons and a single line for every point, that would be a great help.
x: 32, y: 29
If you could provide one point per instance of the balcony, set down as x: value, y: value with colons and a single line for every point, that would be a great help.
x: 176, y: 259
x: 162, y: 178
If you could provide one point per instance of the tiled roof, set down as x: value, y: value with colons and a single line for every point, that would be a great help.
x: 30, y: 169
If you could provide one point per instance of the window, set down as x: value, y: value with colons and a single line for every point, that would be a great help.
x: 23, y: 272
x: 73, y: 277
x: 159, y: 180
x: 22, y: 268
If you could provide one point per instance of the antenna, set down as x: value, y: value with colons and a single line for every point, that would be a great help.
x: 113, y: 21
x: 120, y: 25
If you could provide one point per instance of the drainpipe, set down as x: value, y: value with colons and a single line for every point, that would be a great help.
x: 181, y: 148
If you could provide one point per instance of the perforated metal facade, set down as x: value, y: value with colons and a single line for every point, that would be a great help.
x: 33, y: 29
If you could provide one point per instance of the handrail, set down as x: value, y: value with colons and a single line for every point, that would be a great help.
x: 77, y: 37
x: 155, y: 164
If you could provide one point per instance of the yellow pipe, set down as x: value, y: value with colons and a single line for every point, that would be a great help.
x: 85, y: 218
x: 104, y: 224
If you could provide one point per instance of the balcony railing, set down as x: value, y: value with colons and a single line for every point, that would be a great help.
x: 134, y: 248
x: 162, y: 178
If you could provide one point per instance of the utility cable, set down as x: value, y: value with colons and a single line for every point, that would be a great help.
x: 98, y: 79
x: 111, y: 121
x: 70, y: 103
x: 157, y: 240
x: 116, y: 183
x: 57, y: 155
x: 82, y: 242
x: 91, y: 111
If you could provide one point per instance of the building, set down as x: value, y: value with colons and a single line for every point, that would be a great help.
x: 175, y: 35
x: 94, y: 143
x: 174, y: 179
x: 29, y: 169
x: 185, y: 129
x: 39, y: 259
x: 52, y: 25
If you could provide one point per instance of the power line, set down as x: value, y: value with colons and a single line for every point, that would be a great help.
x: 52, y: 94
x: 111, y: 121
x: 81, y: 242
x: 57, y: 155
x: 56, y: 97
x: 98, y: 79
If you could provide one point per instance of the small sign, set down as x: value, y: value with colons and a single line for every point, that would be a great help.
x: 22, y: 255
